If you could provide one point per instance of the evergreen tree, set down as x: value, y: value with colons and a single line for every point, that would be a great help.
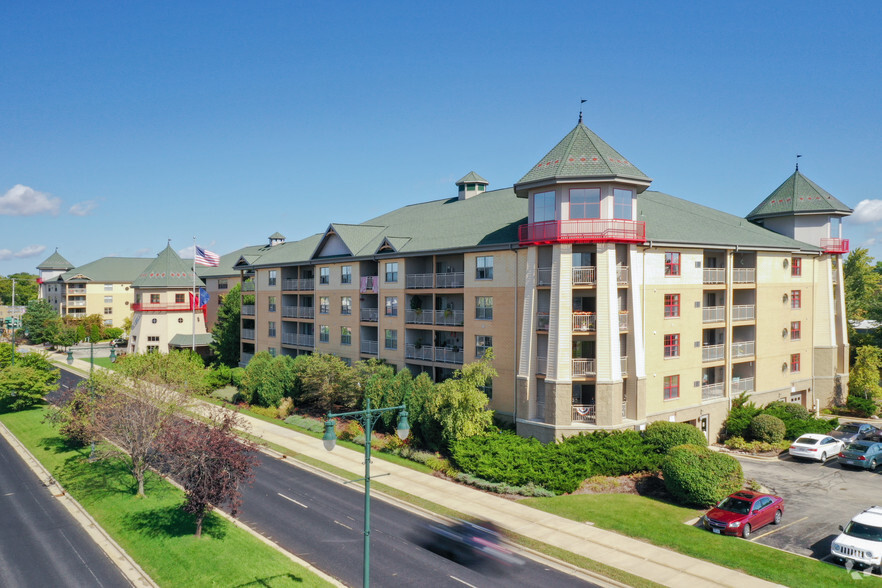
x: 40, y: 320
x: 226, y: 331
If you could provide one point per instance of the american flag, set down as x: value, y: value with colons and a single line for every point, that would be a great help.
x: 206, y: 257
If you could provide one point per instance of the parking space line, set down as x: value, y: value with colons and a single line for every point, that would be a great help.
x: 778, y: 529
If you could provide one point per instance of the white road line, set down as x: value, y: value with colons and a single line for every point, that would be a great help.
x: 292, y: 500
x: 342, y: 525
x: 463, y: 582
x: 778, y: 529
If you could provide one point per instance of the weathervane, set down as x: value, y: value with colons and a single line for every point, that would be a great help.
x: 797, y: 161
x: 583, y: 101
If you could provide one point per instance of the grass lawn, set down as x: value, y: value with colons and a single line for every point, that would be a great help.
x: 154, y: 530
x: 662, y: 524
x: 105, y: 363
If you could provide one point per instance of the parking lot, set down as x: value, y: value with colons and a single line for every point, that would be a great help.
x: 818, y: 498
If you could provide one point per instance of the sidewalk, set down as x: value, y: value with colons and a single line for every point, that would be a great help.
x: 634, y: 556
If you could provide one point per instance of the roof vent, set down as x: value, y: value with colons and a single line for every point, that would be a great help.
x: 276, y: 239
x: 471, y: 185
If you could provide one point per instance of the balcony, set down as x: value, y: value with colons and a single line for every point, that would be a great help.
x: 244, y: 358
x: 422, y: 353
x: 712, y: 391
x: 584, y: 413
x: 713, y: 314
x: 369, y: 285
x: 449, y: 318
x: 450, y: 280
x: 744, y: 312
x: 740, y: 385
x: 541, y: 365
x: 247, y: 309
x: 306, y: 284
x: 623, y: 320
x: 306, y: 340
x: 448, y: 355
x: 289, y: 312
x: 541, y: 321
x: 420, y: 281
x: 832, y: 245
x: 290, y: 284
x: 744, y: 275
x: 584, y: 322
x: 583, y: 230
x: 370, y: 347
x: 71, y: 291
x: 418, y: 317
x: 582, y: 276
x: 713, y: 353
x: 584, y: 368
x: 248, y: 286
x: 370, y: 315
x: 248, y: 334
x: 714, y: 275
x: 289, y: 338
x: 743, y: 349
x: 624, y: 366
x: 622, y: 274
x: 156, y: 307
x: 306, y: 312
x: 75, y: 303
x: 543, y: 276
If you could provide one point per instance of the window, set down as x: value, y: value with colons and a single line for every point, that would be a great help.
x: 487, y: 388
x: 672, y: 263
x: 179, y: 298
x: 272, y: 277
x: 324, y: 334
x: 672, y: 387
x: 108, y: 300
x: 622, y: 204
x: 796, y: 299
x: 324, y: 304
x: 796, y: 266
x: 346, y: 305
x: 154, y: 299
x: 543, y: 207
x: 272, y: 351
x: 672, y: 345
x: 153, y: 338
x: 152, y: 348
x: 672, y: 305
x: 108, y: 310
x: 221, y: 284
x: 272, y: 304
x: 391, y: 305
x: 271, y: 328
x: 795, y: 330
x: 346, y: 274
x: 794, y: 363
x: 585, y: 203
x: 181, y: 321
x: 108, y: 287
x: 345, y: 336
x: 482, y: 344
x: 484, y: 268
x: 392, y: 271
x: 324, y: 275
x: 391, y: 339
x: 484, y: 307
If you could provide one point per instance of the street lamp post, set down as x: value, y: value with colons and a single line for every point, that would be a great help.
x: 367, y: 417
x: 70, y: 360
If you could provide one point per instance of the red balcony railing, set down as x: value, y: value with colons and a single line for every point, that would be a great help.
x: 595, y: 230
x: 832, y: 245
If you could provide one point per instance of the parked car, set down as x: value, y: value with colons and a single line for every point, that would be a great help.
x: 816, y: 446
x: 848, y: 432
x: 861, y: 540
x: 743, y: 512
x: 862, y: 454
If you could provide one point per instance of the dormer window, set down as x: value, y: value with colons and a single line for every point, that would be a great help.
x: 585, y: 203
x: 622, y: 204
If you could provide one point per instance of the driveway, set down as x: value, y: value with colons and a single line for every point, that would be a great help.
x: 817, y: 499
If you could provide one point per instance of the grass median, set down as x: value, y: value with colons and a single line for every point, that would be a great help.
x: 154, y: 530
x: 662, y: 524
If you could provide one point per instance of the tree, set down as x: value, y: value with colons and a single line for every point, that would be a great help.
x: 863, y: 379
x: 862, y: 286
x: 26, y: 383
x: 325, y: 382
x: 210, y: 461
x: 40, y: 320
x: 226, y: 330
x: 268, y: 379
x: 25, y: 289
x: 459, y: 406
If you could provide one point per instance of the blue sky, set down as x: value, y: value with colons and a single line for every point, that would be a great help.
x: 123, y: 125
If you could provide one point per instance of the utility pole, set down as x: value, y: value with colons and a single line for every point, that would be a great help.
x: 13, y: 320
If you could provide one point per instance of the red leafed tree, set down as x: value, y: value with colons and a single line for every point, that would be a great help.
x: 210, y: 461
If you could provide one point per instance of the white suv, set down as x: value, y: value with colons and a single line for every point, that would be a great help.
x: 861, y: 540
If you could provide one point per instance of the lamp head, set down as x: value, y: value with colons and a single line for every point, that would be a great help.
x: 70, y: 357
x: 329, y: 439
x: 403, y: 428
x: 112, y: 355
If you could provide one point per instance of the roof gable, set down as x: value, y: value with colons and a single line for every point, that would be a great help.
x: 55, y: 262
x: 798, y: 195
x: 168, y: 270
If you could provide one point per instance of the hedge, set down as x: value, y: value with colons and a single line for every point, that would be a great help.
x: 698, y: 476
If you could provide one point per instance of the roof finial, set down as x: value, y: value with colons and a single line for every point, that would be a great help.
x: 797, y: 161
x: 583, y: 101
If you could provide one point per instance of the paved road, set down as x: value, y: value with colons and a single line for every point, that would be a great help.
x: 40, y: 543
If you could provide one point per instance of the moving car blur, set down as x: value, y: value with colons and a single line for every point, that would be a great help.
x: 476, y: 544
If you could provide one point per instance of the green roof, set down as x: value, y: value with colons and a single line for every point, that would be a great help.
x: 581, y: 154
x: 471, y: 178
x: 798, y: 195
x: 183, y: 340
x: 55, y: 262
x: 118, y: 270
x: 226, y: 267
x: 288, y: 252
x: 277, y: 235
x: 168, y: 270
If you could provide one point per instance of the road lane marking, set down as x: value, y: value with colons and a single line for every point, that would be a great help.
x: 778, y: 529
x: 292, y: 500
x: 463, y: 582
x: 342, y: 525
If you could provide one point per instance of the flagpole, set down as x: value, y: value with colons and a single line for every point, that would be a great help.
x: 193, y: 297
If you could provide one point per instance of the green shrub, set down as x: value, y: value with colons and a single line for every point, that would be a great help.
x: 267, y: 411
x: 695, y: 475
x: 811, y: 425
x: 794, y: 410
x: 865, y: 407
x: 218, y: 377
x: 767, y: 427
x: 285, y: 408
x: 227, y: 393
x: 236, y: 376
x: 503, y: 488
x: 313, y: 425
x: 663, y: 435
x: 739, y: 444
x: 740, y: 415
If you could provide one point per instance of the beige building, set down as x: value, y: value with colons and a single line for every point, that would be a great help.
x: 608, y: 305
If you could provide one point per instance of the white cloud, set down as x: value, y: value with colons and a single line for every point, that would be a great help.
x: 186, y: 252
x: 29, y: 251
x: 867, y: 211
x: 23, y: 201
x: 83, y: 208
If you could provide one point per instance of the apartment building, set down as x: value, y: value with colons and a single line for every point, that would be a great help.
x: 608, y: 305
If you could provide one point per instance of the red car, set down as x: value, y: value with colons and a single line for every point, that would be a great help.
x: 744, y: 512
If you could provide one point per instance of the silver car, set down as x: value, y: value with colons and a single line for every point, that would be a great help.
x: 848, y: 432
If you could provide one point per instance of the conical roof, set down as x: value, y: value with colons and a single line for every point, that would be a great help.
x: 581, y: 154
x: 168, y: 270
x: 798, y: 195
x: 471, y: 178
x: 55, y: 262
